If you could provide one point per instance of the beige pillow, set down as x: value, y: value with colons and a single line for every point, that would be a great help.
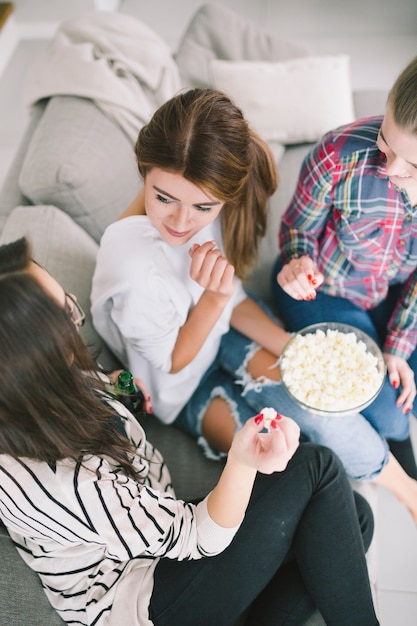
x: 291, y: 101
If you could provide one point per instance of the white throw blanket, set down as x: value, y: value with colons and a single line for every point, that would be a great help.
x: 113, y: 59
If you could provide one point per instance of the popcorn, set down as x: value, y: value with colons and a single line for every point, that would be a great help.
x: 330, y: 371
x: 269, y: 414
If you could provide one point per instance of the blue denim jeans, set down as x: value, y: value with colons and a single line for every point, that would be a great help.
x: 300, y: 546
x: 383, y: 414
x: 361, y: 449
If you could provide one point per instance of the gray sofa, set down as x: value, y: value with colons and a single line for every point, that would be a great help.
x: 73, y: 174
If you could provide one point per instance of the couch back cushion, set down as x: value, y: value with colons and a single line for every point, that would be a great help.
x: 82, y: 162
x: 216, y: 32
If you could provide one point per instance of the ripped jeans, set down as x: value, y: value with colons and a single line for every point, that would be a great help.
x: 361, y: 449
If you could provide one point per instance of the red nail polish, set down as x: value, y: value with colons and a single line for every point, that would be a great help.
x: 259, y: 418
x: 406, y: 411
x: 314, y: 282
x: 395, y: 384
x: 310, y: 277
x: 278, y: 416
x: 274, y: 423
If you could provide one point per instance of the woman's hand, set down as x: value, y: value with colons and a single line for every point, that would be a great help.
x: 211, y: 270
x: 266, y: 452
x: 140, y: 384
x: 300, y: 278
x: 251, y: 451
x: 400, y: 373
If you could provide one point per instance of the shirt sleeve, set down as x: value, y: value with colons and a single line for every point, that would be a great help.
x: 189, y: 528
x: 131, y: 519
x: 304, y: 220
x: 137, y: 298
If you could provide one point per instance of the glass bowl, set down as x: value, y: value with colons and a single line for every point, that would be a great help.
x: 332, y: 369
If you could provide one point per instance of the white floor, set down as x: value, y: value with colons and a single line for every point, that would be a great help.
x: 36, y: 19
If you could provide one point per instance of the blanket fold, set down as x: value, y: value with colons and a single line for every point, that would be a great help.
x: 111, y: 58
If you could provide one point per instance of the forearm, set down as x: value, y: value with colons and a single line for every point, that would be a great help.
x: 252, y: 321
x: 193, y: 334
x: 228, y: 501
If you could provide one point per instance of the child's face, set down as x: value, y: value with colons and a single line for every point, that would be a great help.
x: 400, y: 148
x: 177, y: 208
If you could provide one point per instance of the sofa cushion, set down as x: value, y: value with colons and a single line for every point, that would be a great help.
x: 292, y: 101
x: 81, y: 161
x: 69, y: 255
x: 23, y: 601
x: 216, y: 32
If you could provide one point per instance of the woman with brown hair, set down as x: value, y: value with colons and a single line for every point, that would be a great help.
x: 167, y: 292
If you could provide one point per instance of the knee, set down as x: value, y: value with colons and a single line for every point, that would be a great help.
x: 365, y: 518
x: 321, y: 457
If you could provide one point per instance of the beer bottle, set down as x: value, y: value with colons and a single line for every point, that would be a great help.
x: 128, y: 394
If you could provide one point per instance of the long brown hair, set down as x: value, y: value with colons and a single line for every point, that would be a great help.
x: 203, y: 135
x: 50, y: 407
x: 403, y: 98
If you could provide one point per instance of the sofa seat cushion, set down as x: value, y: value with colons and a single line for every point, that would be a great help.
x: 25, y: 602
x: 81, y: 161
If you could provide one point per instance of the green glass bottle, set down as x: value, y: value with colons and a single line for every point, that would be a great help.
x: 125, y: 383
x: 128, y: 394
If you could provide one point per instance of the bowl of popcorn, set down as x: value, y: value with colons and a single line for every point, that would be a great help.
x: 332, y: 369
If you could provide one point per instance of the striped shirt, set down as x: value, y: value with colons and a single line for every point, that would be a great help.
x: 94, y: 536
x: 358, y: 227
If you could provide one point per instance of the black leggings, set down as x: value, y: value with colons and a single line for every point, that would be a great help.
x: 301, y: 545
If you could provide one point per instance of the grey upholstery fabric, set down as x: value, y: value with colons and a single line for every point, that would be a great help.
x: 81, y: 161
x: 23, y: 601
x: 216, y: 32
x: 10, y: 194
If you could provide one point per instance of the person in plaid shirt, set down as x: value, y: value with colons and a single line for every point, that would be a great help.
x: 348, y: 243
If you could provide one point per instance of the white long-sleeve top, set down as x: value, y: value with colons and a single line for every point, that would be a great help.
x: 94, y: 536
x: 141, y: 296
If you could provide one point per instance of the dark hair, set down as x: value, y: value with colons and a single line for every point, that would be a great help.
x: 403, y: 98
x: 50, y: 408
x: 203, y: 135
x: 15, y: 256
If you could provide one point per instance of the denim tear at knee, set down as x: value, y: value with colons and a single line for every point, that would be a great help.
x: 244, y: 378
x: 217, y: 392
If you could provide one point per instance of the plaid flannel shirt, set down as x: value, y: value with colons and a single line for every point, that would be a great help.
x: 358, y: 227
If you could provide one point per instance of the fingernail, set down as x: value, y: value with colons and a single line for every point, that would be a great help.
x: 274, y: 423
x: 395, y: 384
x: 310, y: 276
x: 406, y: 411
x: 278, y: 416
x: 259, y: 418
x: 314, y: 282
